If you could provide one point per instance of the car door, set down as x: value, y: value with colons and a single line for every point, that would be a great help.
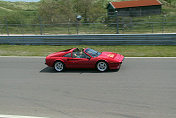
x: 80, y: 61
x: 67, y: 60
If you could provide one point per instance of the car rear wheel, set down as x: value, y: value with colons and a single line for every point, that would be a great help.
x: 59, y: 66
x: 102, y: 66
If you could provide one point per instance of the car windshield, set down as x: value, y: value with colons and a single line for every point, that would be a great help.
x: 92, y: 52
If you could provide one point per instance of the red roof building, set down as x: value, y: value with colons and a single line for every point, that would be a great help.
x: 136, y: 7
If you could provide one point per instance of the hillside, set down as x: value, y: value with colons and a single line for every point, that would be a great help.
x: 17, y: 12
x: 27, y: 13
x: 27, y: 6
x: 22, y: 7
x: 31, y: 7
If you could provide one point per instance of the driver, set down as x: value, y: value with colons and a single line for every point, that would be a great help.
x: 79, y: 55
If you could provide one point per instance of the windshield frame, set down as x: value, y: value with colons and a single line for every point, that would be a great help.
x: 93, y: 52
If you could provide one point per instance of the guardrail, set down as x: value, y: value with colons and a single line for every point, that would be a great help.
x: 97, y: 39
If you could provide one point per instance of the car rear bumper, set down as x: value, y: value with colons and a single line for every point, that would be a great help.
x: 48, y: 61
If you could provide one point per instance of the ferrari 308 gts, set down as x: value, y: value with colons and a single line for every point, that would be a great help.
x: 84, y: 58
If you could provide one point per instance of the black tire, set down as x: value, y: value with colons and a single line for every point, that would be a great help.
x: 59, y: 66
x: 102, y: 66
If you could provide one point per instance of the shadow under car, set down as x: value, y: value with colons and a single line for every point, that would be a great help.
x: 52, y: 70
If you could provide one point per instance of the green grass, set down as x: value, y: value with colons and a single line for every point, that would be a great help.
x: 128, y: 51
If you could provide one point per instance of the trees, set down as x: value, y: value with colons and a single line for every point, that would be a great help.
x: 48, y: 10
x: 54, y: 11
x: 91, y: 10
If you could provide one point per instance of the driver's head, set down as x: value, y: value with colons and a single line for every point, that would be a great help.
x: 81, y: 52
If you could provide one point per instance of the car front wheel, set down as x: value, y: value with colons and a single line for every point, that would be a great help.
x: 59, y: 66
x: 102, y: 66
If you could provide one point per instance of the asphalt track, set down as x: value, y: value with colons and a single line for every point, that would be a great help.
x: 142, y: 88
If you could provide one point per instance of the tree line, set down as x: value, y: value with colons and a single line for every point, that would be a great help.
x: 57, y: 11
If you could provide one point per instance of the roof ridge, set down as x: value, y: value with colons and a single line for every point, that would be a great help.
x: 135, y: 3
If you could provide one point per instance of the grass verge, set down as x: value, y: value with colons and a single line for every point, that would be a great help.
x: 128, y: 51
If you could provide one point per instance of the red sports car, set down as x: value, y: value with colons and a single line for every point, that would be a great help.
x: 84, y: 58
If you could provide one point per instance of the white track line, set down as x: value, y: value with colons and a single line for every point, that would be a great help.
x: 125, y: 57
x: 22, y: 56
x: 150, y: 57
x: 16, y: 116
